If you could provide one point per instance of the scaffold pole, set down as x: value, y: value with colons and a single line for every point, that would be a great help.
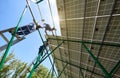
x: 115, y: 68
x: 74, y: 65
x: 62, y: 70
x: 12, y: 38
x: 88, y: 42
x: 50, y: 53
x: 97, y: 62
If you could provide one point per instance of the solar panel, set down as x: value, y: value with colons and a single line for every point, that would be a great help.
x: 93, y: 21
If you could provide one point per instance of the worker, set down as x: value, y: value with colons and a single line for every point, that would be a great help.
x: 25, y: 30
x: 40, y: 53
x: 47, y: 27
x: 42, y: 48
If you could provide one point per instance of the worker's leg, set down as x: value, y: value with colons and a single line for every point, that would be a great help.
x: 52, y: 33
x: 46, y: 32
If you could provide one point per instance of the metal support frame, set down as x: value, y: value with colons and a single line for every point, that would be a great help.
x: 104, y: 35
x: 93, y: 32
x: 52, y: 69
x: 52, y: 22
x: 35, y: 64
x: 13, y: 43
x: 38, y: 63
x: 62, y: 70
x: 115, y: 68
x: 12, y: 39
x: 108, y: 75
x: 50, y: 53
x: 36, y: 25
x: 45, y: 48
x: 85, y: 1
x: 5, y: 38
x: 81, y: 73
x: 49, y: 72
x: 78, y: 67
x: 88, y: 42
x: 97, y: 62
x: 66, y: 25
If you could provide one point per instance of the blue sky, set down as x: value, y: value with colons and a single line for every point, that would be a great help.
x: 10, y: 11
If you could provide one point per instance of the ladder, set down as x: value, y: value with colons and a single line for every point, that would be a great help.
x: 4, y: 37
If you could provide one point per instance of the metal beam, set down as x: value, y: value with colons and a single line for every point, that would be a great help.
x: 49, y: 73
x: 93, y: 32
x: 83, y: 27
x: 87, y: 42
x: 12, y: 38
x: 97, y: 62
x: 100, y: 16
x: 78, y: 66
x: 62, y: 70
x: 104, y: 35
x: 115, y: 68
x: 5, y: 38
x: 50, y: 53
x: 53, y: 70
x: 81, y: 73
x: 66, y: 27
x: 45, y: 48
x: 14, y: 42
x: 6, y: 30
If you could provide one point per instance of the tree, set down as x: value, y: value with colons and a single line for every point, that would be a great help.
x: 13, y: 67
x: 42, y: 72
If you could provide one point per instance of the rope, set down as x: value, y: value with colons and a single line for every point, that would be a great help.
x: 11, y: 40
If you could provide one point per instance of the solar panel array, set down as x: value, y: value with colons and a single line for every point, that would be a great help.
x: 92, y: 21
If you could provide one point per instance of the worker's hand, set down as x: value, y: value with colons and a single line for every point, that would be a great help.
x: 38, y: 27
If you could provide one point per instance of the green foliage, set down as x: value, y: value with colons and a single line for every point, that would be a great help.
x: 40, y: 72
x: 13, y: 67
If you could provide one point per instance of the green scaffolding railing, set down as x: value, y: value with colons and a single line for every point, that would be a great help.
x: 105, y: 72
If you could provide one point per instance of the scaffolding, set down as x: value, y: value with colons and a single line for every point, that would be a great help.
x: 90, y: 33
x: 88, y: 51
